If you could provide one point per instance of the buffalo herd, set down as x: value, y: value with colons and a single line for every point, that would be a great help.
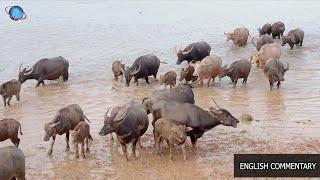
x: 174, y: 112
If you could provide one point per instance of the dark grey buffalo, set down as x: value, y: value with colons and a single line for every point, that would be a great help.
x: 294, y: 36
x: 181, y: 93
x: 238, y: 69
x: 264, y: 39
x: 12, y: 163
x: 265, y: 29
x: 129, y: 124
x: 46, y: 69
x: 193, y: 116
x: 194, y: 52
x: 65, y: 120
x: 274, y: 70
x: 277, y: 29
x: 143, y: 66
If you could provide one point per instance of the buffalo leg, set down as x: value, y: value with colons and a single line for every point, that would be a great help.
x: 201, y: 82
x: 115, y: 77
x: 9, y: 101
x: 4, y: 101
x: 51, y: 146
x: 65, y: 76
x: 87, y: 145
x: 67, y: 141
x: 136, y: 81
x: 18, y: 96
x: 184, y: 152
x: 271, y: 84
x: 235, y: 83
x: 209, y: 81
x: 125, y: 152
x: 157, y: 142
x: 82, y: 149
x: 278, y: 84
x: 194, y: 143
x: 147, y: 79
x: 77, y: 150
x: 171, y: 149
x: 42, y: 82
x: 15, y: 141
x: 245, y: 80
x: 134, y: 145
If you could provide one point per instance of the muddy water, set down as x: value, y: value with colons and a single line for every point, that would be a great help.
x: 91, y: 35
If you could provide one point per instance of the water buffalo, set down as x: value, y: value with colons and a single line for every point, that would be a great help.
x: 129, y: 124
x: 277, y: 29
x: 173, y: 133
x: 9, y: 129
x: 8, y: 89
x: 193, y: 116
x: 194, y: 52
x: 266, y: 53
x: 181, y: 93
x: 264, y: 39
x: 238, y: 69
x: 117, y: 69
x: 274, y: 71
x: 142, y: 67
x: 209, y: 68
x: 46, y: 69
x: 12, y: 163
x: 239, y: 36
x: 81, y: 135
x: 265, y: 29
x: 294, y: 36
x: 169, y: 78
x: 65, y: 120
x: 187, y: 74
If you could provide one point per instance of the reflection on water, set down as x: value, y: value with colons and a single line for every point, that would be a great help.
x: 91, y: 35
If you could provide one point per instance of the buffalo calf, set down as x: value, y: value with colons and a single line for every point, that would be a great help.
x: 8, y: 89
x: 81, y: 135
x: 173, y: 133
x: 169, y: 78
x: 9, y: 129
x: 187, y: 74
x: 117, y: 69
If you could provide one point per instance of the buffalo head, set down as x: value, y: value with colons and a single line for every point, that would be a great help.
x: 285, y: 40
x: 50, y: 130
x: 129, y: 73
x: 223, y: 116
x: 182, y: 55
x: 109, y: 124
x: 23, y: 73
x: 225, y: 71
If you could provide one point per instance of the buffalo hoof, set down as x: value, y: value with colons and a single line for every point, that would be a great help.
x: 49, y: 153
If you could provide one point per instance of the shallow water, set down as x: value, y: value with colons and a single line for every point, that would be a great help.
x: 91, y: 35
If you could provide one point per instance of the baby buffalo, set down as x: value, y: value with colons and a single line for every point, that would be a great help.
x: 117, y: 69
x: 274, y: 70
x: 265, y: 29
x: 173, y: 133
x: 239, y: 36
x: 169, y: 78
x: 187, y: 74
x: 9, y: 129
x: 294, y: 37
x: 238, y: 69
x: 65, y: 120
x: 81, y: 135
x: 8, y: 89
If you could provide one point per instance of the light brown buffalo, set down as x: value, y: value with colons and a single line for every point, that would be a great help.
x: 9, y: 129
x: 266, y: 53
x: 209, y: 68
x: 81, y: 135
x: 239, y: 36
x: 169, y: 78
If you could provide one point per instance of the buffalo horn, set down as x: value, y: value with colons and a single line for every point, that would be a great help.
x: 215, y: 103
x: 187, y: 52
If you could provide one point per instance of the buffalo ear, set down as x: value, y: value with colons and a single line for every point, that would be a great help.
x: 55, y: 124
x: 188, y: 129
